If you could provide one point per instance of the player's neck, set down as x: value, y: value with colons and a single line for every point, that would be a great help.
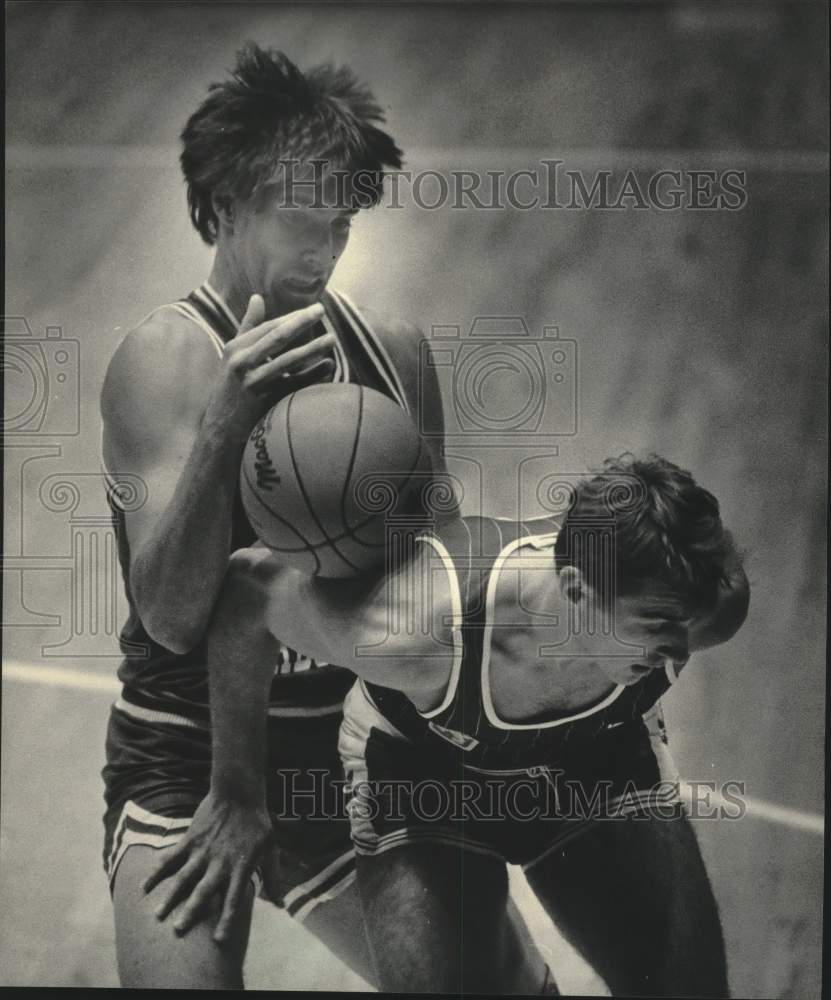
x: 226, y: 280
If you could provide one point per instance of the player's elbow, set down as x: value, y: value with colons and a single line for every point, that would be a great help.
x: 167, y: 622
x: 173, y: 633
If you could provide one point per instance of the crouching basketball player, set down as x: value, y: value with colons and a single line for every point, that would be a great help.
x: 507, y: 731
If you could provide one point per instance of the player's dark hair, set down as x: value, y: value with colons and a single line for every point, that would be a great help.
x: 641, y: 521
x: 268, y: 112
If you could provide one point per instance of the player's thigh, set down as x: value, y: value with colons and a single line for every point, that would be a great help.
x: 338, y: 923
x: 633, y: 896
x: 150, y: 954
x: 435, y: 917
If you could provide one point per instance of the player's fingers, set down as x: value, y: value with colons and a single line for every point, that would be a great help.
x: 275, y: 335
x: 232, y: 907
x: 180, y: 886
x: 297, y: 357
x: 199, y: 900
x: 254, y: 314
x: 320, y: 371
x: 172, y: 861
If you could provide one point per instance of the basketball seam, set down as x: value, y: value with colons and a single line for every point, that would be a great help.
x: 410, y: 474
x: 302, y: 487
x: 308, y: 547
x: 350, y: 468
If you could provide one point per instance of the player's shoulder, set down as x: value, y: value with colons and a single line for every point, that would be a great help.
x: 398, y: 335
x: 157, y: 355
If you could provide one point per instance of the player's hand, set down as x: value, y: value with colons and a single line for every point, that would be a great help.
x: 217, y: 856
x: 263, y: 363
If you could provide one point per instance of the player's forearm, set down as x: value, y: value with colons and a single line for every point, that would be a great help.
x: 241, y: 656
x: 177, y: 573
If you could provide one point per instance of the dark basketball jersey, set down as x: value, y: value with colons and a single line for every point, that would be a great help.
x: 465, y: 728
x: 157, y: 680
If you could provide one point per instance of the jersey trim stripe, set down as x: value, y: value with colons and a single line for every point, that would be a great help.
x: 487, y: 700
x: 342, y: 371
x: 213, y: 296
x: 188, y: 310
x: 373, y: 347
x: 216, y: 317
x: 456, y: 616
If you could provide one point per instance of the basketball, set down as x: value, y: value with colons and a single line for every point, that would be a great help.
x: 321, y: 472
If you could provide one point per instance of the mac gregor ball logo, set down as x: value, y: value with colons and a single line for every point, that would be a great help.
x: 263, y: 465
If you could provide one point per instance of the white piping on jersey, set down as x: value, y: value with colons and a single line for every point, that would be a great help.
x: 373, y: 343
x: 192, y: 313
x: 671, y: 672
x: 538, y: 541
x: 212, y: 295
x: 456, y: 616
x: 341, y: 373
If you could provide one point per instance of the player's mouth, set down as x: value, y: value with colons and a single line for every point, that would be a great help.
x: 297, y: 286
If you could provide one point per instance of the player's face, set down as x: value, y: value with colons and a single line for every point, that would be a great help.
x: 286, y: 249
x: 656, y: 624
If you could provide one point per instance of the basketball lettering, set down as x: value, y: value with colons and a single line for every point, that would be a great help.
x: 266, y: 474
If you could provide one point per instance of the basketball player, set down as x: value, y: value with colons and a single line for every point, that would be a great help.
x: 510, y: 704
x: 182, y: 393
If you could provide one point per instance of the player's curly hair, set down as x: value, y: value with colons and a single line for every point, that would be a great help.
x: 269, y: 111
x: 641, y: 521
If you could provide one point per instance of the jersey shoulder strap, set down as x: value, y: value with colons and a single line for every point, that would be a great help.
x: 362, y: 339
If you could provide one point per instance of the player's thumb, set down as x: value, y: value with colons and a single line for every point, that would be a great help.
x: 254, y: 314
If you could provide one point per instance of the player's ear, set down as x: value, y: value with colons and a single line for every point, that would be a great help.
x: 572, y: 584
x: 223, y: 206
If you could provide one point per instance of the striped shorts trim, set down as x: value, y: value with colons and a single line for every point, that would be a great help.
x: 274, y: 711
x: 327, y: 885
x: 139, y: 827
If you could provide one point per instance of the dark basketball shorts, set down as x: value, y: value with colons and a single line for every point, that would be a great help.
x: 158, y: 771
x: 399, y: 795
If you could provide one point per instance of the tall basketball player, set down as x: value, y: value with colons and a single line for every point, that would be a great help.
x: 521, y: 725
x: 182, y: 393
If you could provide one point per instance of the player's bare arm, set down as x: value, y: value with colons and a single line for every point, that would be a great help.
x: 177, y: 415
